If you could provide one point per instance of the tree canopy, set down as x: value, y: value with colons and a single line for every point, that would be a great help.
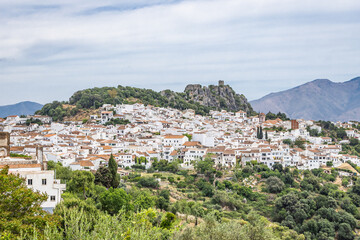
x: 20, y: 208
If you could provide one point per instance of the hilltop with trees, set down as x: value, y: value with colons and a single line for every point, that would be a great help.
x: 201, y: 99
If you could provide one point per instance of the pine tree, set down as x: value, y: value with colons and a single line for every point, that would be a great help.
x: 257, y: 133
x: 113, y: 169
x: 266, y: 135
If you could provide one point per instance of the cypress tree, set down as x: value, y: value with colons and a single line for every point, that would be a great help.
x: 113, y: 170
x: 261, y: 135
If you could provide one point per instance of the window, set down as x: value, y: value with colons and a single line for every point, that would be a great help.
x: 43, y: 181
x: 52, y: 198
x: 29, y: 181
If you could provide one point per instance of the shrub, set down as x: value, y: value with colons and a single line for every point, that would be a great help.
x: 181, y: 184
x: 171, y: 179
x: 274, y: 184
x: 148, y: 182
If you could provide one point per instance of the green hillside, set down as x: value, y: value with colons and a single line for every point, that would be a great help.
x: 95, y: 97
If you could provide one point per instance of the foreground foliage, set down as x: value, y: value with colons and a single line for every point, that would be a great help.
x: 249, y: 202
x: 20, y: 210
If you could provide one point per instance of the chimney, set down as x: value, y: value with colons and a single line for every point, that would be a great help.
x: 40, y: 157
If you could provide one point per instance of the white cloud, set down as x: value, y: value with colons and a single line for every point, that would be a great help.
x: 258, y: 46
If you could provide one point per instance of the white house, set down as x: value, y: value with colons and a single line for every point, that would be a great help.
x: 229, y: 158
x: 45, y: 182
x: 193, y: 154
x: 176, y: 141
x: 125, y: 159
x: 12, y: 119
x: 240, y: 114
x: 106, y: 116
x: 204, y: 138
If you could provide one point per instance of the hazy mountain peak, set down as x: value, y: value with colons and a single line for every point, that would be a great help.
x: 318, y: 99
x: 321, y: 81
x: 21, y: 108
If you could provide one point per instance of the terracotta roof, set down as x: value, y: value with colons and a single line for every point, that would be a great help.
x: 298, y: 149
x: 229, y: 151
x: 174, y: 136
x: 16, y: 148
x: 271, y: 122
x: 86, y: 163
x: 49, y: 135
x: 191, y: 144
x: 174, y: 153
x: 265, y: 150
x: 12, y: 166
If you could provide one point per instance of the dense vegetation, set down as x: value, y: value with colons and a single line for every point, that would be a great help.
x: 116, y: 121
x: 95, y: 97
x: 57, y: 111
x: 33, y: 121
x: 16, y: 155
x: 165, y: 202
x: 273, y: 116
x: 352, y: 148
x: 306, y: 201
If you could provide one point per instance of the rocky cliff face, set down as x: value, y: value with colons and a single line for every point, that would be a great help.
x: 218, y: 97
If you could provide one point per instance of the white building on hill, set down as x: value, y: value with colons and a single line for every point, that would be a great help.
x: 44, y: 182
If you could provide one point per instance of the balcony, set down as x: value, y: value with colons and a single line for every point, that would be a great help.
x: 58, y: 185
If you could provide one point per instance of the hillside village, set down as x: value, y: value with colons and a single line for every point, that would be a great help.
x: 140, y: 138
x: 163, y: 133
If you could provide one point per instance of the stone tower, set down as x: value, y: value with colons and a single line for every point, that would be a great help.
x: 262, y: 117
x: 221, y: 82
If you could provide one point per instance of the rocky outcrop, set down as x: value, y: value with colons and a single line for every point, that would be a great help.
x: 218, y: 97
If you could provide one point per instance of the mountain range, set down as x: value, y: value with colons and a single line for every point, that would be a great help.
x: 320, y: 99
x: 21, y: 108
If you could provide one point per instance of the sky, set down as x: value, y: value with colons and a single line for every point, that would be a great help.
x: 50, y: 49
